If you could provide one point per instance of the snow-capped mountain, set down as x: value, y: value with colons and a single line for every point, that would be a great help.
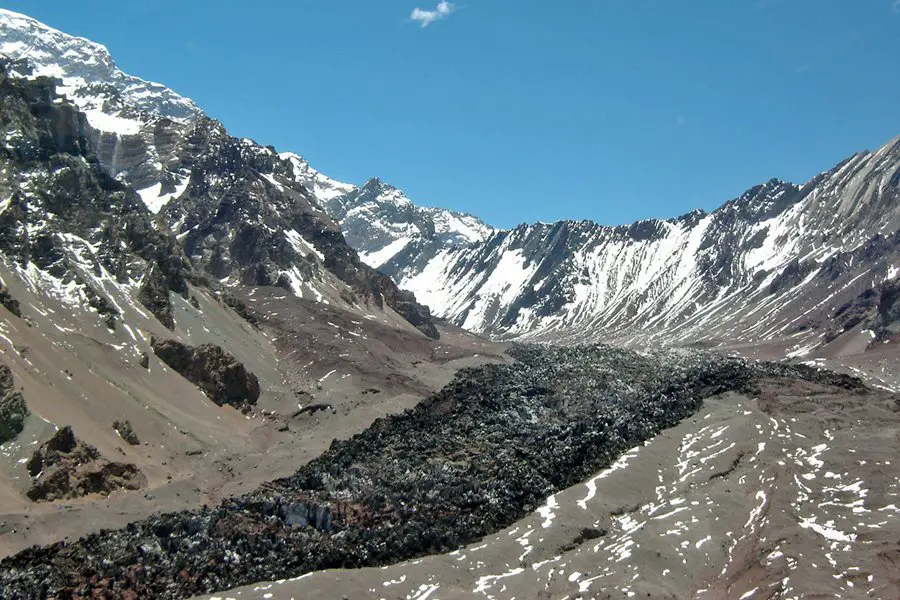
x: 136, y: 123
x: 381, y: 222
x: 781, y: 260
x: 112, y: 100
x: 240, y: 212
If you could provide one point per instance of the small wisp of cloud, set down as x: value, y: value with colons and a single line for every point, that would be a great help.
x: 427, y: 17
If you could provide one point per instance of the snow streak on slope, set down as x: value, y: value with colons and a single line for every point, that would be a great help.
x: 778, y: 261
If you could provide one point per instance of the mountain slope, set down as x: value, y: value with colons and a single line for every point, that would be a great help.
x: 780, y: 260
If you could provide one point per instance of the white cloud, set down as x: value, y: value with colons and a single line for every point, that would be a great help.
x: 427, y: 17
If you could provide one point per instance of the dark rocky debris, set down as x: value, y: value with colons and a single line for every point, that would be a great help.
x: 466, y: 462
x: 220, y: 375
x: 65, y: 467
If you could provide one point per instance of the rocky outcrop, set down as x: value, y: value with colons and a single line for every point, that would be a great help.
x: 65, y: 467
x: 13, y: 410
x: 404, y: 303
x: 8, y: 302
x: 243, y: 217
x: 470, y: 460
x: 876, y: 309
x: 241, y: 308
x: 220, y: 375
x: 154, y: 295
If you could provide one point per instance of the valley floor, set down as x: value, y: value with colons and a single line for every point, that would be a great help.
x: 790, y: 493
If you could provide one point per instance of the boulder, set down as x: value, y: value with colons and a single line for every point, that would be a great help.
x: 220, y: 375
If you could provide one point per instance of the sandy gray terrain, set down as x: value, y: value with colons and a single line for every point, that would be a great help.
x: 793, y: 493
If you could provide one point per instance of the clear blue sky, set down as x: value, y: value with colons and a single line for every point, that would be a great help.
x: 526, y: 110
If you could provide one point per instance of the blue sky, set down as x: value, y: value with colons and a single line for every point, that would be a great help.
x: 517, y: 111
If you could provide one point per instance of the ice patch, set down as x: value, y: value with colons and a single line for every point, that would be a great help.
x: 301, y: 245
x: 155, y: 200
x: 591, y: 484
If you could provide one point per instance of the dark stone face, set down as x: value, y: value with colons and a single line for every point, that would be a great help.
x: 888, y: 321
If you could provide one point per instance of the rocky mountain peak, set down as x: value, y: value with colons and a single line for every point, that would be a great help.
x: 89, y: 76
x: 378, y: 191
x: 380, y: 221
x: 378, y: 185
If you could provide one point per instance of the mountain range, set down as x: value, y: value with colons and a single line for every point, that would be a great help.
x: 778, y: 263
x: 352, y: 379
